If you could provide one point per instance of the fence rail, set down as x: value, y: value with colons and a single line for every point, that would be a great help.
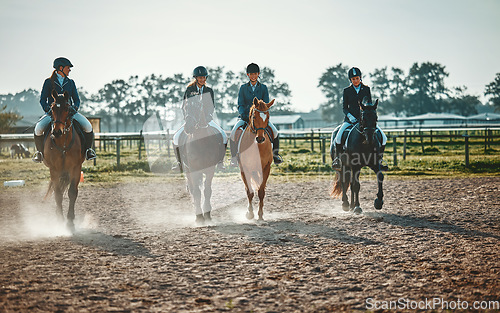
x: 317, y: 137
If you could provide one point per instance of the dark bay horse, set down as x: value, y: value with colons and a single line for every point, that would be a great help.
x: 201, y: 148
x: 256, y: 154
x: 63, y: 156
x: 362, y: 149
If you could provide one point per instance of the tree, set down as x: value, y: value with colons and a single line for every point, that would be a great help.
x: 277, y: 90
x: 114, y: 95
x: 493, y: 90
x: 461, y: 103
x: 332, y: 83
x: 426, y: 87
x: 7, y: 120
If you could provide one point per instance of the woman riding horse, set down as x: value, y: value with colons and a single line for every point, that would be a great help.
x: 198, y: 96
x: 60, y: 82
x: 248, y: 92
x: 353, y: 95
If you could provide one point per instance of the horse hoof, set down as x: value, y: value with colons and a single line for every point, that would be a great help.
x: 378, y: 204
x: 357, y: 210
x: 199, y: 219
x: 71, y: 226
x: 249, y: 215
x: 207, y: 216
x: 261, y: 219
x: 346, y: 208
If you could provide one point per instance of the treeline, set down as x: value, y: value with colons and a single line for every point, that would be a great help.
x: 421, y: 89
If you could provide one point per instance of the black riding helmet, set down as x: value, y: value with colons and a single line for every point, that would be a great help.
x: 200, y: 71
x: 353, y: 72
x: 62, y: 61
x: 253, y: 68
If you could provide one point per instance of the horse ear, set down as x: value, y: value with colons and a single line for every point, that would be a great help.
x: 375, y: 105
x: 361, y: 105
x: 54, y: 94
x: 270, y: 103
x: 66, y: 95
x: 255, y: 101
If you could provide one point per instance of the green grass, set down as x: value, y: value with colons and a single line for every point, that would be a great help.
x: 442, y: 158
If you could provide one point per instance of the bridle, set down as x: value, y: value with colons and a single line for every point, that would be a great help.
x: 66, y: 128
x: 252, y: 125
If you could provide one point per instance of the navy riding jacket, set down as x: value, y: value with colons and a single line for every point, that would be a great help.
x: 192, y: 102
x: 246, y: 96
x: 68, y: 85
x: 352, y: 99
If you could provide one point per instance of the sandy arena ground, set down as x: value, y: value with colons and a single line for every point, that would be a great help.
x: 136, y: 248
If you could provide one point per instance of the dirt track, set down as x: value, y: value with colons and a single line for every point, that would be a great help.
x: 137, y: 249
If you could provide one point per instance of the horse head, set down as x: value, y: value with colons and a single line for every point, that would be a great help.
x: 368, y: 121
x: 60, y: 112
x: 259, y: 118
x: 195, y: 118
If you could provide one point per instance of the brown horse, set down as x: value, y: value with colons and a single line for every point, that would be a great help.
x: 63, y: 156
x: 256, y: 154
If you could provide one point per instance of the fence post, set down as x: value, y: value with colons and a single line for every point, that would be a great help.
x: 466, y: 150
x: 323, y: 150
x: 404, y: 145
x: 118, y: 152
x: 422, y: 142
x: 140, y: 144
x: 394, y: 149
x: 168, y: 143
x: 312, y: 140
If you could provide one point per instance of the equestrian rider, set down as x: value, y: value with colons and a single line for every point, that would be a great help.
x: 353, y: 95
x: 249, y: 91
x: 60, y: 82
x: 198, y: 93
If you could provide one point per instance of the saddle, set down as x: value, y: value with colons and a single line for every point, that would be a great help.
x: 76, y: 128
x: 242, y: 128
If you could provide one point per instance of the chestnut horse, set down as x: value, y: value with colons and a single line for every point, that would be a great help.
x: 63, y: 156
x: 256, y: 154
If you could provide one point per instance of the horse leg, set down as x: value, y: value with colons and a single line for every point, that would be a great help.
x: 58, y: 195
x: 345, y: 179
x: 194, y: 189
x: 379, y: 201
x: 355, y: 186
x: 207, y: 207
x: 250, y: 195
x: 262, y: 191
x: 72, y: 194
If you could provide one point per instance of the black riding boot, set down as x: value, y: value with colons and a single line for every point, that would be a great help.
x: 383, y: 167
x: 177, y: 166
x: 38, y: 156
x: 337, y: 164
x: 220, y: 165
x: 89, y: 141
x: 234, y: 151
x: 276, y: 149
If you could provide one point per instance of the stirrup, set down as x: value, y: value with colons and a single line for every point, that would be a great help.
x: 337, y: 164
x: 220, y: 166
x: 37, y: 157
x: 176, y: 166
x: 234, y: 162
x: 383, y: 165
x: 90, y: 154
x: 277, y: 159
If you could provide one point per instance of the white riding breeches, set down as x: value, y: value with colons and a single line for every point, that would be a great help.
x: 338, y: 138
x: 44, y: 122
x: 241, y: 122
x: 213, y: 124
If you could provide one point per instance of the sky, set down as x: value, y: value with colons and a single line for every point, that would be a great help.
x: 107, y: 39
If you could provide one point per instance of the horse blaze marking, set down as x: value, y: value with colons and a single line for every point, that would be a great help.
x: 263, y: 116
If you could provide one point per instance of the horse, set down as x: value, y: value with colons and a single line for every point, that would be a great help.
x: 202, y: 149
x: 63, y: 156
x: 18, y: 150
x: 256, y: 155
x: 362, y: 149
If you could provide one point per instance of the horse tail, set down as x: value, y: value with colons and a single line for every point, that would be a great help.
x: 50, y: 190
x: 336, y: 190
